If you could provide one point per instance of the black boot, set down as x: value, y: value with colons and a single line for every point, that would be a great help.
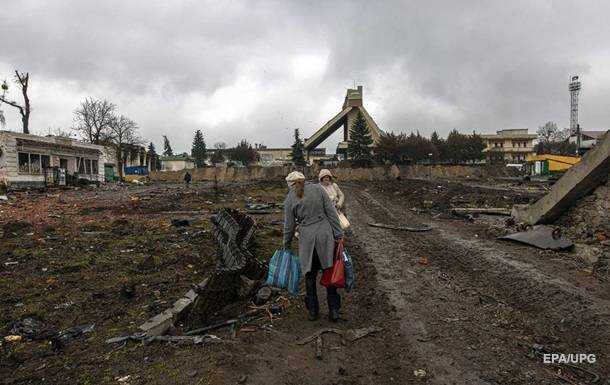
x: 334, y: 303
x: 311, y: 299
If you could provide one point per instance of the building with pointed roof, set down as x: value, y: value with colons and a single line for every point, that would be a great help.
x: 344, y: 119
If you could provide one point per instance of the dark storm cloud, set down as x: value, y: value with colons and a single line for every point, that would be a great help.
x: 259, y: 69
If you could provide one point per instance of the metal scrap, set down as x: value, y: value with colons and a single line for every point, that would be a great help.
x: 542, y: 237
x: 350, y: 334
x: 403, y: 228
x: 481, y: 210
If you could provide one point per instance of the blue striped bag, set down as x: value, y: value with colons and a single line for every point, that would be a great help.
x: 285, y: 271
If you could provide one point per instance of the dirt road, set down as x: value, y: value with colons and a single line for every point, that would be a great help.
x: 474, y: 308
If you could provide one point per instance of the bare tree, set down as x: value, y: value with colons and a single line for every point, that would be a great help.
x: 60, y: 132
x: 23, y: 80
x: 93, y: 119
x: 548, y: 132
x: 123, y: 136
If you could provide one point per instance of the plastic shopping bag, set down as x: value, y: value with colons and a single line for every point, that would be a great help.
x: 335, y: 275
x: 285, y: 271
x: 349, y: 271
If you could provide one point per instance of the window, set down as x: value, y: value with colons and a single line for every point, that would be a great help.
x: 45, y: 161
x: 33, y: 163
x: 24, y: 162
x: 87, y: 166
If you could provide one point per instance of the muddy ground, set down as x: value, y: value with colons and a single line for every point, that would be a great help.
x: 455, y: 305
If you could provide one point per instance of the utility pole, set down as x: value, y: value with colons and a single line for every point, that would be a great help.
x: 578, y: 140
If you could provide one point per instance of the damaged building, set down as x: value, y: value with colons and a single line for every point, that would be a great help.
x: 33, y: 161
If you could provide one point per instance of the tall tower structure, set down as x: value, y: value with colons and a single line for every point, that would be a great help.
x: 574, y: 92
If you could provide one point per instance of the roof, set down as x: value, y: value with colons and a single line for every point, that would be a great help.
x: 274, y: 149
x: 510, y: 134
x: 557, y: 158
x: 595, y: 134
x: 177, y: 158
x: 69, y: 145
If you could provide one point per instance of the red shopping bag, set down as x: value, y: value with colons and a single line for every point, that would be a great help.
x: 335, y: 275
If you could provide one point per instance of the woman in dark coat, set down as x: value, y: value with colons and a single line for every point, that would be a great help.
x: 309, y: 207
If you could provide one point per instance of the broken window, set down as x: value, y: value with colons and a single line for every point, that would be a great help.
x: 45, y: 160
x: 94, y: 167
x: 24, y: 162
x: 80, y: 165
x: 35, y: 164
x: 88, y: 166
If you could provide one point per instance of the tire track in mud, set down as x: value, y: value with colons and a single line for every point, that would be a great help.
x: 473, y: 312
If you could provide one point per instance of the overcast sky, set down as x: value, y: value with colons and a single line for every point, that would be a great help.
x: 259, y: 69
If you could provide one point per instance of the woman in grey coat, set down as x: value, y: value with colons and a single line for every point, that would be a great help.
x: 309, y: 207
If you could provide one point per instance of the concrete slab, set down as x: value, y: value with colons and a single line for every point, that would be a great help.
x: 158, y: 324
x: 578, y: 181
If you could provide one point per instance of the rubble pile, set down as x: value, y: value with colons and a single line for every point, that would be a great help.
x: 588, y: 224
x: 235, y: 277
x: 237, y: 269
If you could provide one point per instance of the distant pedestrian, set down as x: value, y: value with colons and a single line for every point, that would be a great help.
x: 332, y: 189
x: 187, y: 178
x: 335, y: 194
x: 309, y: 207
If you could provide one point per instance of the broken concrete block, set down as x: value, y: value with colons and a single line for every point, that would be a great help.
x: 181, y: 305
x: 578, y: 181
x: 191, y: 294
x: 158, y: 324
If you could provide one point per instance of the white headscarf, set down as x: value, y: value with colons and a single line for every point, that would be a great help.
x: 293, y: 177
x: 325, y: 172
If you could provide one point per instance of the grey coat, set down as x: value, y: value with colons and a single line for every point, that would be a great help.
x: 318, y: 223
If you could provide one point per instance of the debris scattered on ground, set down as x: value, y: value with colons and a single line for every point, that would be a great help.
x: 64, y: 305
x: 30, y: 327
x: 403, y: 228
x: 262, y: 295
x: 349, y: 334
x: 180, y: 222
x: 543, y: 237
x: 481, y: 210
x: 229, y: 322
x: 420, y: 373
x: 146, y: 339
x: 12, y: 338
x: 319, y: 346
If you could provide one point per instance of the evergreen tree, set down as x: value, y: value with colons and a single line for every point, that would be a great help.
x: 153, y: 157
x: 167, y: 148
x: 217, y: 156
x: 198, y: 150
x: 440, y: 145
x: 476, y: 145
x: 358, y: 147
x: 244, y: 153
x: 298, y: 150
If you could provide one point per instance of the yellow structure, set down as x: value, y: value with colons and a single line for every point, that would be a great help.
x: 546, y: 164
